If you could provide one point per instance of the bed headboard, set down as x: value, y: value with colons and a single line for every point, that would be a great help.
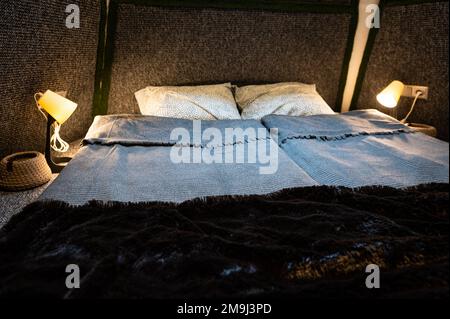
x: 153, y: 42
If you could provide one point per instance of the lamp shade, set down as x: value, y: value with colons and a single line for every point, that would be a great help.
x: 391, y: 94
x: 57, y: 106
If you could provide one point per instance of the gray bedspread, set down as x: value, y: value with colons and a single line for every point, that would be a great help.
x: 361, y: 148
x: 127, y: 158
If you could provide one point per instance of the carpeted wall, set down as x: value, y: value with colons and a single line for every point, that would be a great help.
x: 38, y: 52
x: 412, y: 46
x: 184, y: 46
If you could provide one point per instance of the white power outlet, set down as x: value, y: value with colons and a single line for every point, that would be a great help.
x: 411, y: 91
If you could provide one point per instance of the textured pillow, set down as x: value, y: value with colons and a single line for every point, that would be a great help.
x: 204, y: 102
x: 290, y: 98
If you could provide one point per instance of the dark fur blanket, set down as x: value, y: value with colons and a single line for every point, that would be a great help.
x: 305, y: 242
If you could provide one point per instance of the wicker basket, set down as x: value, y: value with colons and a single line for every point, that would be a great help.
x: 23, y: 171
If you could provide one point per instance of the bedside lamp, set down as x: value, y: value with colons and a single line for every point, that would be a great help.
x: 391, y: 94
x: 57, y: 110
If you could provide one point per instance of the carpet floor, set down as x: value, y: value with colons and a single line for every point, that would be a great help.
x: 12, y: 203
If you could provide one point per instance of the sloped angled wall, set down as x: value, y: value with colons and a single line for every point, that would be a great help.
x: 38, y: 52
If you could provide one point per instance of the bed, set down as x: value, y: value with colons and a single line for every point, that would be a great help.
x: 140, y: 226
x: 341, y: 191
x: 127, y: 158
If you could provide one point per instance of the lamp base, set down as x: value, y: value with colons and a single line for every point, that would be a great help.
x: 423, y: 128
x: 58, y: 163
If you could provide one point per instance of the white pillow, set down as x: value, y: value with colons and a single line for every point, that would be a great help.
x: 290, y: 98
x: 204, y: 102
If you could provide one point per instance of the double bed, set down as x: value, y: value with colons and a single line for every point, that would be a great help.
x: 293, y: 203
x: 128, y: 158
x: 362, y: 189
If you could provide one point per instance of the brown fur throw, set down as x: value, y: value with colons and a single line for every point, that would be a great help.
x: 304, y: 242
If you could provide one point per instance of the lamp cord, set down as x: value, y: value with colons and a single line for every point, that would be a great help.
x: 419, y: 93
x: 56, y: 142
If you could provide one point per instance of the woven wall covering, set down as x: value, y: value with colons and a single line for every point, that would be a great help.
x: 175, y: 46
x: 412, y: 46
x: 38, y: 52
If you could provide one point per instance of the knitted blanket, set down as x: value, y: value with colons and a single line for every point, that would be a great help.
x: 297, y: 243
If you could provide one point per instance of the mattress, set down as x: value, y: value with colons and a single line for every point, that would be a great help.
x: 130, y: 158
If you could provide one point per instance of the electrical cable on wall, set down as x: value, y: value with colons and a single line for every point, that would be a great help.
x: 419, y: 93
